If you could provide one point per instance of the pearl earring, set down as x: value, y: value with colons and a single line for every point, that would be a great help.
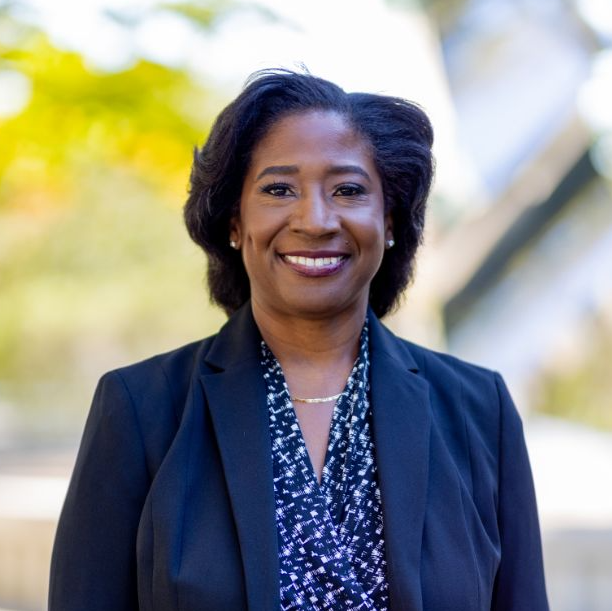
x: 233, y: 244
x: 390, y: 243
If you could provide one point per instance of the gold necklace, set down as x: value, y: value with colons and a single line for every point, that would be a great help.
x: 316, y: 399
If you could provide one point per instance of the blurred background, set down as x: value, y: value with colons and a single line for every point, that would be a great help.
x: 101, y: 104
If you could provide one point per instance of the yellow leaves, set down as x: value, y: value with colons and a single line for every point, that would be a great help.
x: 171, y: 159
x: 134, y: 119
x: 94, y: 259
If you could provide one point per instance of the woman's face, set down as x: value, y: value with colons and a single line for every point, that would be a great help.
x: 312, y: 226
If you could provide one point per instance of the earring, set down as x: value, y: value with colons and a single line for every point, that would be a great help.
x: 390, y: 243
x: 233, y: 244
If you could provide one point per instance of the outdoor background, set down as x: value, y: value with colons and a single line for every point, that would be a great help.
x: 101, y: 104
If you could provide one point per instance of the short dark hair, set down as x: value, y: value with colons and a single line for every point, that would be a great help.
x: 400, y: 136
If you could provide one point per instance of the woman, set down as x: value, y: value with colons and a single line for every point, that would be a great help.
x: 304, y: 457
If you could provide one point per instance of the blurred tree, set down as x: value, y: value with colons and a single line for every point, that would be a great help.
x: 95, y: 266
x: 581, y: 389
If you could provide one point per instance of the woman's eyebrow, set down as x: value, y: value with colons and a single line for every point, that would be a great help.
x: 293, y: 169
x: 278, y: 169
x: 348, y: 169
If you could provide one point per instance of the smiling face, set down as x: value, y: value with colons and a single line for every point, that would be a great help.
x: 312, y: 226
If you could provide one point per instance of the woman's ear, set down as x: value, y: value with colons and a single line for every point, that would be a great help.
x: 235, y: 233
x: 389, y: 241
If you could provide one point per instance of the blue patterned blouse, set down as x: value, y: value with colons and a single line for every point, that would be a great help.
x: 330, y: 535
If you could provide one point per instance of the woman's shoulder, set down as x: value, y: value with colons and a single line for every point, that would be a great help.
x: 471, y: 391
x: 151, y: 396
x: 435, y: 364
x: 157, y: 387
x: 171, y: 370
x: 169, y: 362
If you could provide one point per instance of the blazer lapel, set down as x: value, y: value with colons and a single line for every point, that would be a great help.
x: 236, y: 398
x: 401, y: 426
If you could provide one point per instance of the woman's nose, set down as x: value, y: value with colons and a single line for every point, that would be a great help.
x: 314, y: 215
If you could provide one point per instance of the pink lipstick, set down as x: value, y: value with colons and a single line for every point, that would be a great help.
x: 315, y: 264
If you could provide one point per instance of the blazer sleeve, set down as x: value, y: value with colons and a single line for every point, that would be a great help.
x: 93, y: 564
x: 519, y: 584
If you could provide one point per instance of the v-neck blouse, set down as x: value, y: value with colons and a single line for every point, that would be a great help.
x: 330, y: 535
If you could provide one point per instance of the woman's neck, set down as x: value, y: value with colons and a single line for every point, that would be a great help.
x: 318, y: 339
x: 316, y: 354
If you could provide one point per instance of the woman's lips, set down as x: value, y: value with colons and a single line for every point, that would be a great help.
x: 315, y: 265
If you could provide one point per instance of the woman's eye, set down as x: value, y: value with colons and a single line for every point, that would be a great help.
x: 349, y: 190
x: 277, y: 190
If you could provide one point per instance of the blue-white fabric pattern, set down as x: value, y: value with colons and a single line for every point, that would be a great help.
x: 330, y: 535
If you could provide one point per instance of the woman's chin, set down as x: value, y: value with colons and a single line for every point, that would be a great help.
x: 321, y: 304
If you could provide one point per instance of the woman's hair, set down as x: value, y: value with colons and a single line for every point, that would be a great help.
x: 400, y: 136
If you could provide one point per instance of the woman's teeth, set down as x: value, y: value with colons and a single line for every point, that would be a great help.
x: 313, y: 262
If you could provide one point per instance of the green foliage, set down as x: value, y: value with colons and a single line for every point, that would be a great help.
x: 198, y: 14
x: 581, y: 391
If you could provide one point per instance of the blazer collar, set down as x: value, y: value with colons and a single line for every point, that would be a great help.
x: 386, y: 343
x: 239, y: 341
x: 236, y: 397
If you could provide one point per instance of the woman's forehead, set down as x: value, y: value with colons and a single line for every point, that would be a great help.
x: 311, y: 135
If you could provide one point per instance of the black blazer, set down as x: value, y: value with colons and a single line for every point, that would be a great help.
x: 171, y: 503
